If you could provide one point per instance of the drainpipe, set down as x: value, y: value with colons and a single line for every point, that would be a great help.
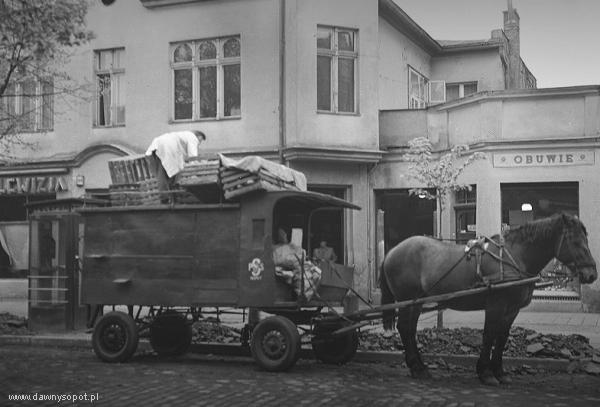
x: 282, y: 140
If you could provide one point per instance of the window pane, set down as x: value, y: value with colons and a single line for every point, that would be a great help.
x: 183, y: 53
x: 104, y: 60
x: 104, y: 100
x: 207, y: 50
x: 346, y: 85
x: 231, y: 87
x: 231, y: 48
x: 345, y: 41
x: 324, y: 38
x: 323, y: 83
x: 28, y: 105
x: 47, y: 105
x: 119, y: 99
x: 208, y: 91
x: 7, y: 107
x: 470, y: 88
x: 451, y: 92
x: 183, y: 94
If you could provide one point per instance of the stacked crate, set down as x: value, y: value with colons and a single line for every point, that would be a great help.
x: 236, y: 182
x: 133, y: 181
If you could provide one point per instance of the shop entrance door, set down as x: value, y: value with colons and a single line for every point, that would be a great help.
x: 53, y: 273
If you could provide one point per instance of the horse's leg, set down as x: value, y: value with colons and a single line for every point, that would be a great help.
x: 501, y: 339
x: 493, y: 317
x: 407, y: 327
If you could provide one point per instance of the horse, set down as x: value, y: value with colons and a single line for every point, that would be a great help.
x: 423, y: 266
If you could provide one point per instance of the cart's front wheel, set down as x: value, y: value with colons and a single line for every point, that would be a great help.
x: 335, y: 350
x: 115, y: 337
x: 275, y: 344
x: 170, y: 334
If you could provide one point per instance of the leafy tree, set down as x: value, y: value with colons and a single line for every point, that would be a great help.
x: 36, y: 37
x: 438, y: 176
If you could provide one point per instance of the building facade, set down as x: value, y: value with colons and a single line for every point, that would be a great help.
x: 334, y: 89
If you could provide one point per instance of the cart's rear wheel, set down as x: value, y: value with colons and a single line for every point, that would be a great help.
x: 115, y: 337
x: 334, y: 350
x: 275, y: 344
x: 170, y: 334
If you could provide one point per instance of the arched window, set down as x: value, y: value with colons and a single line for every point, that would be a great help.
x: 231, y: 48
x: 207, y: 50
x: 183, y: 53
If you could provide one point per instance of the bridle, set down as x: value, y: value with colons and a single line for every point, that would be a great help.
x: 573, y: 265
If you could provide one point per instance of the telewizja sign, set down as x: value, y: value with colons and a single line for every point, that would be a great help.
x: 544, y: 158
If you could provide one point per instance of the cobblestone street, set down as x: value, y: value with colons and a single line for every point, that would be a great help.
x: 196, y: 380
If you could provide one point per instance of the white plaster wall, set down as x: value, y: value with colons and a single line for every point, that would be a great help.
x: 483, y: 67
x: 146, y: 35
x: 397, y: 53
x: 304, y: 126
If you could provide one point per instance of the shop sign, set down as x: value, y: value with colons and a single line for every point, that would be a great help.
x: 32, y: 185
x: 544, y: 158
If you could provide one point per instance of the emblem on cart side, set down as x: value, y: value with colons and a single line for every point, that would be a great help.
x: 256, y: 267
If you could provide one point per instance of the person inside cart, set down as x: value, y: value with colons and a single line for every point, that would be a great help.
x: 170, y: 152
x: 324, y: 253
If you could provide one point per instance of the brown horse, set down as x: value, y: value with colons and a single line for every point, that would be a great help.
x: 422, y: 266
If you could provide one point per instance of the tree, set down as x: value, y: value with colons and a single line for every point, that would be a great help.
x: 438, y: 177
x: 35, y: 39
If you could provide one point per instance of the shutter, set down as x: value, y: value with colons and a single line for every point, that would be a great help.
x: 437, y: 92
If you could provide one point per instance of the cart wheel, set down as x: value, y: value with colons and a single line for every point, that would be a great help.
x: 275, y: 344
x: 170, y: 334
x: 115, y: 337
x: 334, y: 350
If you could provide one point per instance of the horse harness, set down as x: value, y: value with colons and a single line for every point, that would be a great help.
x: 480, y: 247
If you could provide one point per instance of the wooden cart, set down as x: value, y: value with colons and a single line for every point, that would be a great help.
x: 179, y: 258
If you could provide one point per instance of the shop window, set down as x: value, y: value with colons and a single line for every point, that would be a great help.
x: 206, y: 79
x: 337, y: 57
x: 110, y: 87
x: 465, y: 202
x: 524, y: 202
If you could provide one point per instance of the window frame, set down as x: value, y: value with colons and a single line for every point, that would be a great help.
x: 336, y: 54
x: 112, y: 72
x: 461, y: 88
x: 13, y: 104
x: 421, y: 104
x: 219, y: 62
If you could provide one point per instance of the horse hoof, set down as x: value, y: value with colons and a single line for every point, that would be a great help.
x: 420, y: 374
x: 489, y: 380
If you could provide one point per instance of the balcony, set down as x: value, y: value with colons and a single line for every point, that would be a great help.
x: 495, y: 117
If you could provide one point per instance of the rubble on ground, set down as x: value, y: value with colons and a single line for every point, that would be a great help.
x: 13, y: 325
x: 522, y: 342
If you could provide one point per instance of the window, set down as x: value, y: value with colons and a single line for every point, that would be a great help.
x: 417, y: 90
x: 460, y: 90
x: 28, y: 105
x: 110, y: 87
x: 337, y: 56
x: 206, y: 79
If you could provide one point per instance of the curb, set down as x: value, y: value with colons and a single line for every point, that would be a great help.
x: 558, y: 365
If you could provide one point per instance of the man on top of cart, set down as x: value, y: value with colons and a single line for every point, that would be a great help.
x: 170, y: 151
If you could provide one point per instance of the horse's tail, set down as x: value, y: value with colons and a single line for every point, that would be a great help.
x: 387, y: 297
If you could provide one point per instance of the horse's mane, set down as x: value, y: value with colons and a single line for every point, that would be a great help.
x: 544, y: 228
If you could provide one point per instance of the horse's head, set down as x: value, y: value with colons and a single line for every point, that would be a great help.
x: 573, y: 251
